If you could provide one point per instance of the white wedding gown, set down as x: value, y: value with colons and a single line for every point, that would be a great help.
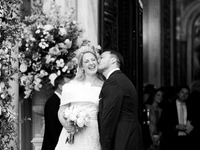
x: 85, y: 96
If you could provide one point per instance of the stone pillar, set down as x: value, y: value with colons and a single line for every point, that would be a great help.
x: 14, y: 91
x: 86, y: 12
x: 87, y: 16
x: 64, y: 5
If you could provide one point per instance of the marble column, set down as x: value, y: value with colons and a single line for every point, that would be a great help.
x: 87, y: 16
x: 14, y: 91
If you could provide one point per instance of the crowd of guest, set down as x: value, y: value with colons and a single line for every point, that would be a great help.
x: 169, y: 117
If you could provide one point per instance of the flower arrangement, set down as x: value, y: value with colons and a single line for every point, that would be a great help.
x: 48, y: 43
x: 9, y: 38
x: 78, y: 117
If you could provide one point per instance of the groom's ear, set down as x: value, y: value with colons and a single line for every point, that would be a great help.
x: 113, y: 60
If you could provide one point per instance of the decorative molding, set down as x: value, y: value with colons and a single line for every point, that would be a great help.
x: 187, y: 18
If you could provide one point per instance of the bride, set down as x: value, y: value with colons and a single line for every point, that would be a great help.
x: 82, y: 93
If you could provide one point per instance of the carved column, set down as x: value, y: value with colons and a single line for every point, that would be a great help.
x: 14, y: 91
x: 87, y: 16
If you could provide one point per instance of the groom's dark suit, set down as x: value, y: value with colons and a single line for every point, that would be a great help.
x: 118, y: 114
x: 52, y: 124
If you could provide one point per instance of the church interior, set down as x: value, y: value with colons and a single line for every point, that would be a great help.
x: 159, y: 40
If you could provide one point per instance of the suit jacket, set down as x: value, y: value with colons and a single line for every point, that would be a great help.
x: 53, y: 126
x: 193, y: 109
x: 118, y: 114
x: 168, y: 122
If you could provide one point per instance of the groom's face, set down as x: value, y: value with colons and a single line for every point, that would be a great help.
x: 104, y: 61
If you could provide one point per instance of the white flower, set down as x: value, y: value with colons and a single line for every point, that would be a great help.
x: 74, y: 22
x: 62, y: 31
x: 3, y: 95
x: 37, y: 82
x: 2, y: 86
x: 37, y: 31
x: 80, y: 122
x: 67, y: 112
x: 64, y: 69
x: 48, y: 27
x: 43, y: 73
x: 60, y: 63
x: 37, y: 87
x: 72, y: 117
x: 54, y: 50
x: 43, y: 44
x: 52, y: 77
x: 58, y: 72
x: 49, y: 59
x: 23, y: 67
x: 82, y: 114
x: 87, y: 120
x: 68, y: 43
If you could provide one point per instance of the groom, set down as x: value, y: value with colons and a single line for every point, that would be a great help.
x: 118, y: 107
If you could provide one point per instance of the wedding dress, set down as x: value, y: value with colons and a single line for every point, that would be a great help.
x: 86, y: 97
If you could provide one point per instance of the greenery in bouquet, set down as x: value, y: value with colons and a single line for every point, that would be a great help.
x: 9, y: 38
x: 47, y: 48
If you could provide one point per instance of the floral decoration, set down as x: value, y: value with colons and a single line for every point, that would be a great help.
x: 9, y: 38
x: 48, y: 43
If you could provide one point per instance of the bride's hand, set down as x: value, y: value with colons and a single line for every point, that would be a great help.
x: 70, y: 127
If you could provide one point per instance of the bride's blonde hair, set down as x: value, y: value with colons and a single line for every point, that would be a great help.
x: 80, y: 74
x: 86, y: 47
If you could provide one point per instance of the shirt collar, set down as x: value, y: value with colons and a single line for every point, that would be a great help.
x: 180, y: 103
x: 57, y: 94
x: 111, y: 71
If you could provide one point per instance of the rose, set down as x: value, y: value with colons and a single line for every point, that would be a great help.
x: 80, y: 122
x: 23, y: 67
x: 52, y: 77
x: 72, y: 117
x: 68, y: 43
x: 62, y: 31
x: 87, y: 121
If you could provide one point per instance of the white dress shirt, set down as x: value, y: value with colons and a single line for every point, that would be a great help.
x: 111, y: 72
x: 57, y: 94
x: 182, y: 115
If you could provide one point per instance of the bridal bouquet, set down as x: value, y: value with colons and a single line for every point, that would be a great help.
x: 78, y: 117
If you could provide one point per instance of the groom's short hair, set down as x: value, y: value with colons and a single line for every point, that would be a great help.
x: 118, y: 56
x: 59, y: 80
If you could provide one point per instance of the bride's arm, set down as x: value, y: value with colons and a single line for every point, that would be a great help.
x: 67, y: 125
x: 61, y: 115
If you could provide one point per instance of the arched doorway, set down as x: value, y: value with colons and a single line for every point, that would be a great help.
x: 191, y: 36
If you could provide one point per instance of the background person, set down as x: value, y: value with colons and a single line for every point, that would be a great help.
x: 52, y: 124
